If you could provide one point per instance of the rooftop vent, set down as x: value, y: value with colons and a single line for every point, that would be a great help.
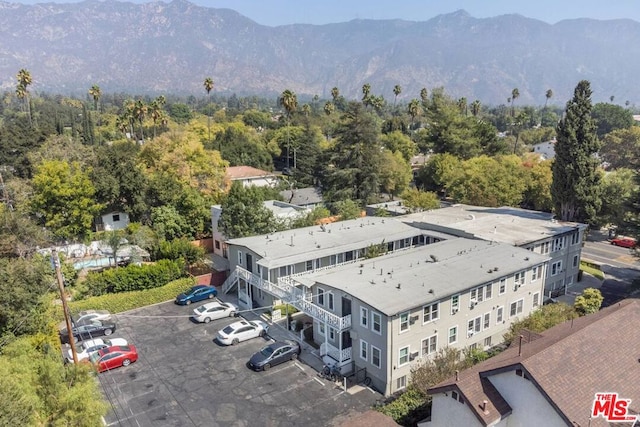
x: 398, y: 287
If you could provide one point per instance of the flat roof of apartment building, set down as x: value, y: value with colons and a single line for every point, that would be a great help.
x: 399, y: 281
x: 504, y: 224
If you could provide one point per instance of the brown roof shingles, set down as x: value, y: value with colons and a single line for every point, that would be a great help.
x: 243, y: 172
x: 568, y: 364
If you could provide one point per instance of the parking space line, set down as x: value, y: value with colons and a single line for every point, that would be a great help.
x: 320, y: 382
x: 299, y: 366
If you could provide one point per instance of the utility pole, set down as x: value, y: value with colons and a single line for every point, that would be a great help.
x: 56, y: 264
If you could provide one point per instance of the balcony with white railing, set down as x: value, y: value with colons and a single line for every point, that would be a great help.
x: 339, y: 355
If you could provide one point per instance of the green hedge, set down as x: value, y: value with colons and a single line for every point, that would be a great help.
x: 117, y: 303
x: 133, y: 277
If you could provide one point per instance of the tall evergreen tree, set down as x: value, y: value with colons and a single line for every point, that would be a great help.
x: 575, y: 186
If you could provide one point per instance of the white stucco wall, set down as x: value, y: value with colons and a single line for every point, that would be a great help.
x: 448, y: 412
x: 110, y: 224
x: 530, y: 408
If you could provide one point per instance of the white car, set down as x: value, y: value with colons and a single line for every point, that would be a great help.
x: 88, y: 316
x: 242, y: 331
x: 86, y: 348
x: 214, y: 310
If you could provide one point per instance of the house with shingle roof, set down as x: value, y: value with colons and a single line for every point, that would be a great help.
x: 248, y: 176
x: 549, y: 379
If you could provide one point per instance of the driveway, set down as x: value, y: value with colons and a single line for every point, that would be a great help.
x: 184, y: 378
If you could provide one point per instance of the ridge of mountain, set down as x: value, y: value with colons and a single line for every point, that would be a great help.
x: 171, y: 47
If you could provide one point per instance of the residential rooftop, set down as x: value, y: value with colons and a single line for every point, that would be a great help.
x: 399, y: 281
x: 515, y: 226
x: 568, y: 364
x: 298, y: 245
x: 302, y: 196
x: 244, y: 172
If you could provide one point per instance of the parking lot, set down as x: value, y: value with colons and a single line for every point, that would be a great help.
x: 184, y: 378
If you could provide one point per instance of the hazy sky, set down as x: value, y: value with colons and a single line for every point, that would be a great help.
x: 279, y: 12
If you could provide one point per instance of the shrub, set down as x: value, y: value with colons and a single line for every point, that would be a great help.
x: 134, y: 277
x: 117, y: 303
x: 179, y: 249
x: 407, y: 408
x: 284, y: 310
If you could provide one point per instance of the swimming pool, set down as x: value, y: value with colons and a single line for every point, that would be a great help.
x: 92, y: 263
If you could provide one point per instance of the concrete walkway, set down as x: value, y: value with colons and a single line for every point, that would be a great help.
x: 588, y: 281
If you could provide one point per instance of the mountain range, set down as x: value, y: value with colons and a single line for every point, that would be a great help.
x: 170, y: 48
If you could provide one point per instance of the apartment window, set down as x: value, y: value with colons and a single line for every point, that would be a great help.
x: 474, y: 325
x: 536, y: 299
x: 375, y: 356
x: 558, y: 244
x: 320, y: 296
x: 217, y: 244
x: 363, y: 350
x: 503, y: 286
x: 575, y: 238
x: 453, y: 334
x: 487, y: 321
x: 401, y: 382
x: 499, y: 314
x: 332, y: 334
x: 403, y: 356
x: 536, y: 272
x: 518, y: 278
x: 376, y: 322
x: 309, y: 265
x: 575, y: 261
x: 430, y: 312
x: 240, y: 261
x: 116, y: 217
x: 487, y: 342
x: 321, y: 330
x: 488, y: 290
x: 286, y: 270
x: 429, y: 345
x: 556, y: 268
x: 404, y: 322
x: 544, y: 248
x: 364, y: 317
x: 516, y: 308
x: 569, y: 280
x: 330, y: 298
x: 477, y: 294
x: 455, y: 304
x: 333, y: 260
x: 457, y: 397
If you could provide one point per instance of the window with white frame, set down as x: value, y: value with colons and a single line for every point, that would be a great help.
x: 320, y: 296
x: 455, y: 304
x: 516, y: 307
x: 536, y: 272
x: 499, y: 314
x: 321, y: 329
x: 487, y: 321
x: 332, y: 334
x: 544, y: 248
x: 453, y: 335
x: 404, y: 322
x: 575, y: 238
x: 240, y: 260
x: 474, y: 325
x: 477, y: 294
x: 558, y: 244
x: 403, y: 356
x: 364, y: 346
x: 556, y: 268
x: 375, y: 356
x: 488, y: 290
x: 330, y: 300
x: 333, y: 260
x: 364, y: 317
x: 536, y: 299
x: 503, y: 286
x: 430, y: 345
x: 487, y: 342
x: 518, y: 278
x: 376, y: 322
x: 309, y: 265
x: 401, y: 382
x: 570, y: 280
x: 430, y: 312
x: 575, y: 261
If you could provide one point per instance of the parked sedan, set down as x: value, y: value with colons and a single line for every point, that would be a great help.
x: 214, y: 310
x: 114, y: 357
x: 196, y: 293
x: 242, y: 331
x: 88, y: 316
x: 274, y: 354
x: 86, y: 348
x: 625, y: 242
x: 89, y: 331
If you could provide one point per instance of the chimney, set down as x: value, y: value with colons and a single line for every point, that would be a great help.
x: 520, y: 345
x: 484, y: 407
x: 457, y: 375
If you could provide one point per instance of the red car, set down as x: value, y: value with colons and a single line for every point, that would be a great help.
x: 114, y: 357
x: 625, y: 242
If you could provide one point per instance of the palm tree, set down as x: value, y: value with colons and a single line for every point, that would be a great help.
x: 413, y: 110
x: 306, y: 109
x: 515, y: 93
x: 95, y: 93
x: 22, y: 91
x: 139, y: 113
x: 547, y: 96
x: 462, y: 105
x: 611, y: 98
x: 397, y: 90
x: 208, y: 86
x: 335, y: 93
x: 424, y: 96
x: 366, y: 90
x: 113, y: 239
x: 289, y: 101
x: 155, y: 111
x: 329, y: 108
x: 475, y: 108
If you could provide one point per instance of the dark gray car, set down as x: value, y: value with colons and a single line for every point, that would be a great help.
x: 274, y: 354
x: 87, y: 332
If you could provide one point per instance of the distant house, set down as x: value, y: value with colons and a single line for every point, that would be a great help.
x: 550, y: 379
x: 248, y: 176
x: 309, y: 197
x: 546, y: 150
x: 112, y: 221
